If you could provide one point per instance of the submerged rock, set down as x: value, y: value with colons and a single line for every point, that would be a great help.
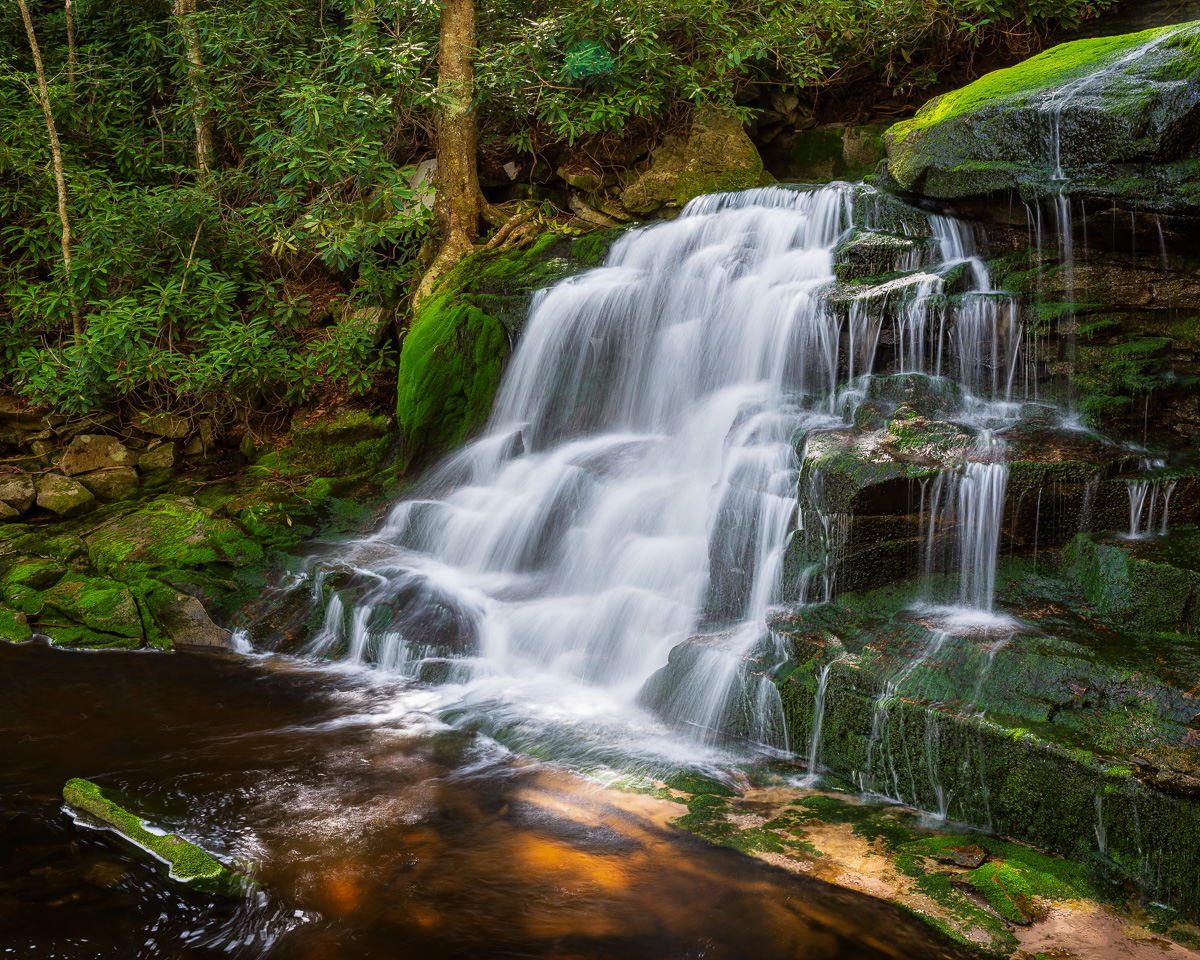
x: 188, y: 863
x: 1116, y: 115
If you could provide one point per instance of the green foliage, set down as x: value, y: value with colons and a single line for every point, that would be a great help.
x: 210, y: 292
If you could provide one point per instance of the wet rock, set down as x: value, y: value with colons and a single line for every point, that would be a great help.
x: 90, y: 452
x: 1107, y: 111
x: 120, y: 483
x: 63, y: 496
x: 162, y: 456
x: 186, y: 622
x: 867, y: 253
x: 716, y: 156
x: 17, y: 492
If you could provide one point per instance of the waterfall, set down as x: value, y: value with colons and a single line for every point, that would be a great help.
x: 636, y: 485
x: 818, y: 720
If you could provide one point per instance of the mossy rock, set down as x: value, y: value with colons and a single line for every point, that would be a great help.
x: 1127, y: 104
x: 1142, y: 592
x: 353, y: 443
x: 170, y: 532
x: 36, y: 574
x: 13, y: 626
x: 187, y: 862
x: 103, y: 605
x: 461, y: 337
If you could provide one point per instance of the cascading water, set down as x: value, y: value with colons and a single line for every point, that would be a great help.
x: 636, y: 484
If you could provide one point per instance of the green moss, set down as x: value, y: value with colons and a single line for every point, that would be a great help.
x: 686, y: 781
x: 188, y: 863
x: 460, y: 338
x: 171, y: 532
x: 13, y: 627
x: 35, y: 574
x: 353, y: 443
x: 1056, y: 66
x: 103, y: 605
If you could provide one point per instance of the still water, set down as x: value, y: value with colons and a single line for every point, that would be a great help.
x: 376, y: 830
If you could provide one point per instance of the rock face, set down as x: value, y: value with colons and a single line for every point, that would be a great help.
x: 1116, y: 116
x: 716, y: 156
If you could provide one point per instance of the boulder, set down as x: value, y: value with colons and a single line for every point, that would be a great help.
x: 89, y: 452
x: 160, y: 457
x: 120, y: 483
x: 17, y: 492
x: 64, y: 496
x: 717, y: 155
x: 187, y: 623
x: 1114, y: 116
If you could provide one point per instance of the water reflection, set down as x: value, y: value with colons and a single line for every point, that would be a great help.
x: 377, y: 830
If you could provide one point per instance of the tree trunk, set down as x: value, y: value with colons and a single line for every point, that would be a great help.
x: 72, y: 58
x: 201, y: 116
x: 459, y: 202
x: 60, y: 181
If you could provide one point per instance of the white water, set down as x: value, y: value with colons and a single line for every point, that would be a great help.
x: 636, y: 485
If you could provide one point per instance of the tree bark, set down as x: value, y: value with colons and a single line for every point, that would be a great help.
x: 459, y: 203
x: 72, y: 58
x: 201, y: 116
x: 60, y: 180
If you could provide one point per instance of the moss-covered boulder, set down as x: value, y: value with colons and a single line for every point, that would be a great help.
x: 717, y: 155
x: 458, y: 342
x: 13, y: 626
x: 187, y: 862
x: 88, y: 452
x: 1117, y: 116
